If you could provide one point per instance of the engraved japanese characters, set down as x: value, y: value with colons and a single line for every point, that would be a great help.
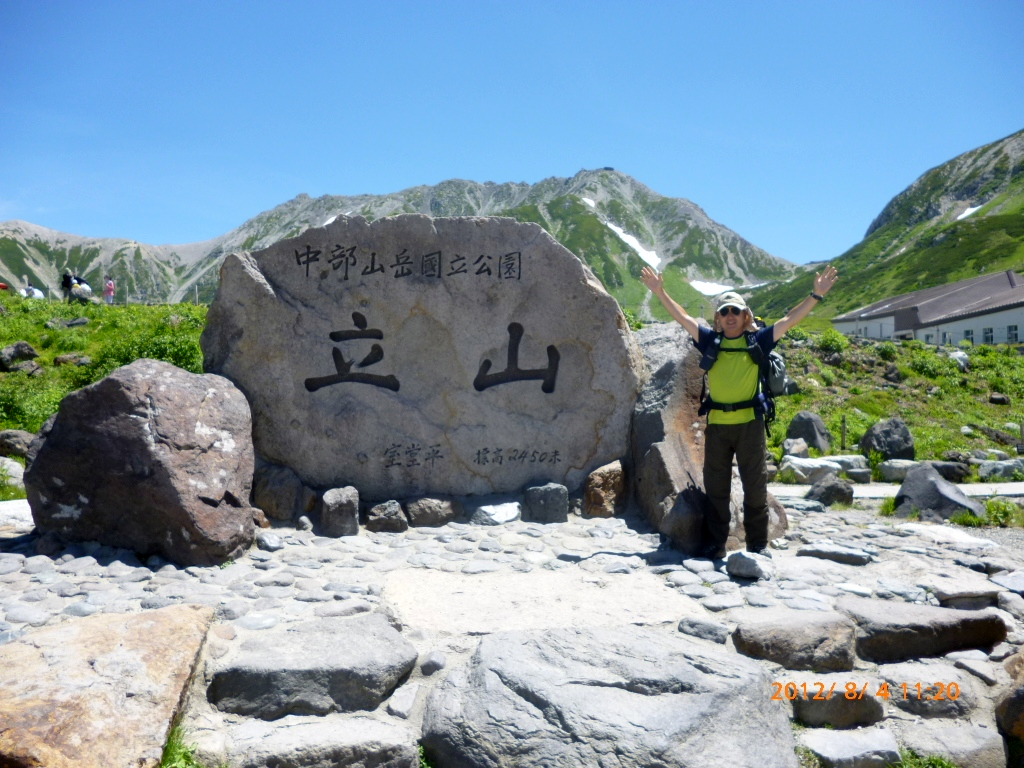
x: 419, y: 356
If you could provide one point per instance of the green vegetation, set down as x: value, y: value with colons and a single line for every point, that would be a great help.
x: 888, y: 508
x: 112, y: 337
x: 178, y: 754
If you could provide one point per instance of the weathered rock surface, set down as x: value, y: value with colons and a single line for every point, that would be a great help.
x: 932, y: 496
x: 831, y: 490
x: 99, y: 691
x: 861, y: 748
x: 14, y: 353
x: 339, y: 512
x: 277, y: 491
x: 963, y: 744
x: 332, y: 740
x: 811, y: 429
x: 929, y: 699
x: 429, y: 511
x: 11, y: 472
x: 611, y: 697
x: 152, y: 458
x: 604, y: 491
x: 808, y: 470
x: 796, y: 639
x: 890, y: 437
x: 547, y: 503
x: 895, y: 470
x: 418, y: 356
x: 312, y: 668
x: 15, y: 442
x: 884, y: 635
x: 667, y: 444
x: 821, y: 699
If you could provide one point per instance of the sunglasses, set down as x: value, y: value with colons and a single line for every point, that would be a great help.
x: 730, y: 311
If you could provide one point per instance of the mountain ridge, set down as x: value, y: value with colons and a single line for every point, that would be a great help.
x: 688, y: 241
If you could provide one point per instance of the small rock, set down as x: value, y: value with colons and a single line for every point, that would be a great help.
x: 434, y: 662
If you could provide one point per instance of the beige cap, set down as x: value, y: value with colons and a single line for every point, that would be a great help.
x: 731, y: 299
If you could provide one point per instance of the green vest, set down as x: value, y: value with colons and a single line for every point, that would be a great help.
x: 732, y: 379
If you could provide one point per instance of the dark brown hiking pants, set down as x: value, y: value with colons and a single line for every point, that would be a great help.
x: 747, y: 443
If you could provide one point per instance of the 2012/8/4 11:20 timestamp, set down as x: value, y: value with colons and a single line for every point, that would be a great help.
x: 818, y: 691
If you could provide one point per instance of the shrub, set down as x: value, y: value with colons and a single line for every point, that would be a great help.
x: 832, y: 340
x: 929, y: 364
x: 1001, y: 512
x: 827, y: 377
x: 887, y: 351
x: 796, y: 334
x: 631, y: 320
x: 965, y: 344
x: 888, y: 508
x: 967, y: 519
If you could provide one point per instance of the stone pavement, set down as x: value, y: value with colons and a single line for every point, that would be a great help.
x: 446, y: 587
x: 883, y: 490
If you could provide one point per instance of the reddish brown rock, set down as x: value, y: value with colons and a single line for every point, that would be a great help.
x: 152, y: 458
x: 99, y: 692
x: 604, y: 492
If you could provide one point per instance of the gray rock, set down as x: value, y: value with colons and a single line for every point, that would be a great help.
x: 954, y: 471
x: 795, y: 446
x: 432, y: 512
x: 333, y: 740
x: 277, y: 491
x: 811, y: 428
x: 831, y: 490
x: 859, y: 475
x: 807, y: 470
x: 683, y: 578
x: 705, y: 629
x: 13, y: 353
x: 15, y: 442
x: 747, y: 565
x: 724, y: 602
x: 835, y: 552
x: 925, y: 490
x: 26, y: 614
x: 805, y: 505
x: 850, y: 461
x: 269, y: 542
x: 547, y: 503
x: 914, y: 631
x: 339, y: 512
x: 151, y: 458
x: 495, y: 513
x: 821, y: 699
x: 566, y: 697
x: 434, y: 662
x: 403, y: 700
x: 930, y: 699
x: 318, y: 667
x: 995, y: 471
x: 796, y: 640
x: 895, y: 470
x: 963, y: 744
x: 861, y: 748
x: 443, y: 369
x: 891, y: 438
x: 1011, y: 602
x: 387, y: 516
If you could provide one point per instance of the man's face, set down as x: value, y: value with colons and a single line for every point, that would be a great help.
x: 732, y: 320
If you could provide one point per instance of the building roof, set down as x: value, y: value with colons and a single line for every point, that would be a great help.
x: 945, y: 303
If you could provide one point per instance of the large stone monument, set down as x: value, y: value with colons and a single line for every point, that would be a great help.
x: 417, y: 356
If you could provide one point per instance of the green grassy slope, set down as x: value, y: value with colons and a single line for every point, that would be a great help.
x: 912, y: 246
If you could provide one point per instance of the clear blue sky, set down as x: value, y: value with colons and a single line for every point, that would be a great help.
x: 793, y: 123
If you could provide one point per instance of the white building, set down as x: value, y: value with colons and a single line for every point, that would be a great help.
x: 984, y: 310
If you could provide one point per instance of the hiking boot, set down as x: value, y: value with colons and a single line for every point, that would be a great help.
x: 763, y: 552
x: 712, y: 552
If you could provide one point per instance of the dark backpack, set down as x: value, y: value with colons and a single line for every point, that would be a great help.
x: 772, y: 379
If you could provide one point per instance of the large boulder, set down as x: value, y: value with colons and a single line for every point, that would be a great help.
x: 312, y: 668
x: 15, y: 442
x: 12, y: 354
x: 99, y: 691
x: 890, y: 438
x: 914, y: 631
x: 417, y: 356
x: 808, y: 470
x: 933, y: 496
x: 821, y: 641
x: 617, y: 696
x: 667, y: 445
x: 152, y: 458
x: 809, y: 427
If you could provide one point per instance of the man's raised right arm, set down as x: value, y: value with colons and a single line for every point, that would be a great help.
x: 655, y: 284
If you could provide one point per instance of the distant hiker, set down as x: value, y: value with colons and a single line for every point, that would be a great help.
x: 65, y: 285
x: 108, y: 290
x: 736, y: 406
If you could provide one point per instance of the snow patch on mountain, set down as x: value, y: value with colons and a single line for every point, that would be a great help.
x: 649, y: 256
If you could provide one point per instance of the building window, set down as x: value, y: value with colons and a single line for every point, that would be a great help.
x: 945, y: 338
x: 987, y: 337
x: 928, y: 338
x: 1011, y: 334
x: 969, y: 336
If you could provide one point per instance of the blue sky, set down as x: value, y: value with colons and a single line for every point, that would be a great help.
x: 793, y: 123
